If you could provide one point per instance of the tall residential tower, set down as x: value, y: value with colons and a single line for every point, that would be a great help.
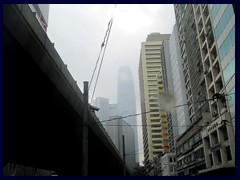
x: 151, y: 81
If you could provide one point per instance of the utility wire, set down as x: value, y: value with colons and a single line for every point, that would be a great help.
x: 117, y: 118
x: 103, y: 48
x: 157, y: 127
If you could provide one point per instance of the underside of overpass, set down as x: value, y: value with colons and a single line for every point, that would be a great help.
x: 43, y: 107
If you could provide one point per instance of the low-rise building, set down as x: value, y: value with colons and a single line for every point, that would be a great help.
x: 168, y: 164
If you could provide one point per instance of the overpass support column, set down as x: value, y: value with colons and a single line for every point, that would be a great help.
x: 85, y: 131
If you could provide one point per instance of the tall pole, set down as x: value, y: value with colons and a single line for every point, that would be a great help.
x: 85, y: 131
x: 124, y: 155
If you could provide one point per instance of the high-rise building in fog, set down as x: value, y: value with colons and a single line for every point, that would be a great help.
x: 126, y: 101
x: 152, y: 81
x: 116, y: 128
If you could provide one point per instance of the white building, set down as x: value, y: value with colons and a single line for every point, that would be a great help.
x: 168, y: 164
x: 152, y: 87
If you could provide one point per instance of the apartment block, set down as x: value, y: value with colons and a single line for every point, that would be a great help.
x: 216, y: 36
x: 190, y: 156
x: 152, y: 88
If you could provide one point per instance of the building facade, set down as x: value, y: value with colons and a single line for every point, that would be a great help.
x: 151, y: 81
x: 167, y: 98
x: 190, y: 156
x: 180, y: 98
x: 216, y: 36
x: 168, y: 164
x: 207, y: 43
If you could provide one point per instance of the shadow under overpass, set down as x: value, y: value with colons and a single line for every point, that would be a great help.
x: 43, y: 107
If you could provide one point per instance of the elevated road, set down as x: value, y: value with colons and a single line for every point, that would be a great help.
x: 43, y: 106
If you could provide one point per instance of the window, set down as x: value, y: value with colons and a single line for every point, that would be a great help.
x: 156, y: 136
x: 156, y: 131
x: 211, y: 159
x: 155, y: 125
x: 154, y: 115
x: 154, y: 110
x: 153, y: 105
x: 224, y: 21
x: 215, y: 10
x: 227, y: 44
x: 231, y: 102
x: 228, y: 152
x: 229, y: 71
x: 185, y: 146
x: 156, y: 141
x: 219, y: 158
x: 196, y: 138
x: 181, y: 148
x: 225, y: 133
x: 157, y: 147
x: 190, y: 142
x: 155, y: 120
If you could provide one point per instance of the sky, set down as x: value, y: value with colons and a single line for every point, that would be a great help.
x: 78, y: 31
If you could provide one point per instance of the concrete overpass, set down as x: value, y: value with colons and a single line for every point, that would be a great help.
x: 43, y: 106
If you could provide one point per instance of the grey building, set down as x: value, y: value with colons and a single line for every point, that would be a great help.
x: 116, y: 127
x: 216, y: 36
x: 178, y: 83
x: 103, y: 113
x: 190, y: 156
x: 169, y: 93
x: 207, y: 147
x: 127, y: 103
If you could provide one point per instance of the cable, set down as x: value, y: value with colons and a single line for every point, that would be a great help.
x: 101, y: 62
x: 153, y: 127
x: 125, y: 116
x: 103, y: 45
x: 160, y: 109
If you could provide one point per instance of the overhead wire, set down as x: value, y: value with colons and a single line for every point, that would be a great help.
x: 137, y: 114
x: 103, y: 49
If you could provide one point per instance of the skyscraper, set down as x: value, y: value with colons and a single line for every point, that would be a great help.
x: 126, y: 101
x: 178, y: 82
x: 216, y: 36
x: 189, y: 144
x: 152, y: 88
x: 116, y: 128
x: 207, y: 44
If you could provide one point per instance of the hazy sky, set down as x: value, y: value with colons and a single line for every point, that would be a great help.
x: 78, y: 32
